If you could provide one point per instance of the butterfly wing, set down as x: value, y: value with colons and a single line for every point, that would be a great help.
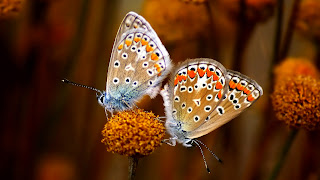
x: 196, y: 88
x: 139, y: 61
x: 242, y: 92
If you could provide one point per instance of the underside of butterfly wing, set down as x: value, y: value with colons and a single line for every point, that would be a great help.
x: 242, y: 92
x: 197, y: 87
x: 138, y: 63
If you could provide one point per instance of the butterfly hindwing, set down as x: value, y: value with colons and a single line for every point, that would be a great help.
x: 138, y: 62
x: 242, y: 92
x: 198, y: 88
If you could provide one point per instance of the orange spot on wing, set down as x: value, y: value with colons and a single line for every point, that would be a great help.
x: 136, y: 39
x: 143, y: 42
x: 191, y: 74
x: 158, y: 68
x: 209, y: 73
x: 182, y: 78
x: 232, y: 85
x: 128, y: 42
x: 120, y: 46
x: 250, y: 98
x: 149, y: 48
x: 219, y: 85
x: 154, y: 57
x: 201, y: 72
x: 246, y: 91
x: 220, y: 94
x: 176, y: 80
x: 240, y: 87
x: 215, y: 77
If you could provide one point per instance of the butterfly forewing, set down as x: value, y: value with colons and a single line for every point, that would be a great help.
x: 242, y: 92
x: 138, y: 62
x: 199, y: 85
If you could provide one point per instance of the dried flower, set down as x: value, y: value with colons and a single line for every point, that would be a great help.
x: 9, y: 7
x: 133, y: 133
x: 308, y: 20
x: 295, y: 66
x: 296, y: 101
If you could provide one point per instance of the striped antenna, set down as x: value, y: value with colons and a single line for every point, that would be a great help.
x: 80, y: 85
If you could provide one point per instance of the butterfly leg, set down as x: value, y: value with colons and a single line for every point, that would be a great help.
x: 171, y: 141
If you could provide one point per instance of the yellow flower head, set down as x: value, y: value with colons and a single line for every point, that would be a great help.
x: 133, y: 133
x: 296, y: 101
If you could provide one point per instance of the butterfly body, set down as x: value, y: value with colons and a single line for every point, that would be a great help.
x: 201, y: 96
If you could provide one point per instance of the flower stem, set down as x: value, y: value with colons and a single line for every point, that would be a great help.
x: 285, y: 150
x: 133, y: 163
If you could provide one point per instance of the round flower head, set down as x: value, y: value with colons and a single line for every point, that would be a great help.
x: 296, y: 101
x: 133, y: 133
x: 295, y: 66
x: 308, y: 20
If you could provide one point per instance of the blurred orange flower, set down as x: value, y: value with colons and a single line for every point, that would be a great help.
x: 308, y: 20
x: 9, y: 7
x: 295, y: 66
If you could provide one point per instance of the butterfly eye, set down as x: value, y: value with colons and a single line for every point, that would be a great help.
x: 207, y: 118
x: 196, y: 118
x: 231, y: 96
x: 150, y: 82
x: 196, y: 86
x: 209, y: 86
x: 189, y: 110
x: 190, y: 89
x: 177, y: 99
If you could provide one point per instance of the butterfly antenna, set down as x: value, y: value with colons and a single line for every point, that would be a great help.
x: 80, y: 85
x: 218, y: 159
x: 204, y: 159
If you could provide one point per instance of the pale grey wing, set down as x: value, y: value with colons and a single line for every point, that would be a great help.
x: 138, y: 64
x: 132, y: 22
x: 242, y: 93
x: 197, y: 86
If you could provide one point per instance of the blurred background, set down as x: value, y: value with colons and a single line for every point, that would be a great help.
x: 50, y: 130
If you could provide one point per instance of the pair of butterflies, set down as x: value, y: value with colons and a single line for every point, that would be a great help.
x: 201, y: 95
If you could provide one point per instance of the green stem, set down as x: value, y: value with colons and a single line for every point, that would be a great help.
x: 283, y: 155
x: 133, y: 163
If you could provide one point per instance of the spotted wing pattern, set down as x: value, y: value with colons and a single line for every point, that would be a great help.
x: 198, y: 86
x: 241, y: 93
x: 139, y: 61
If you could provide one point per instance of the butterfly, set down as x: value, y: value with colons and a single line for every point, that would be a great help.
x: 138, y: 64
x: 203, y: 95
